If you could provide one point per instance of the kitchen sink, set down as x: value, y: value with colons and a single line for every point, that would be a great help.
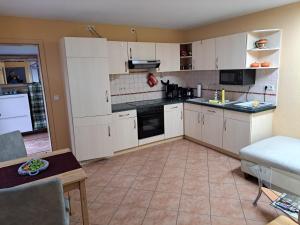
x: 252, y: 104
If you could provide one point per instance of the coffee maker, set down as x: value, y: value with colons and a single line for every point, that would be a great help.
x: 171, y: 90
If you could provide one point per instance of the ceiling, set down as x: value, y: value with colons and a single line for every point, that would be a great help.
x: 177, y: 14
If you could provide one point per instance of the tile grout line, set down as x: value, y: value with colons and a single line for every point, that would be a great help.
x: 155, y: 188
x: 209, y: 194
x: 178, y: 211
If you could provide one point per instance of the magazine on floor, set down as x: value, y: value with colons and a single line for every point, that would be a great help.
x: 289, y: 204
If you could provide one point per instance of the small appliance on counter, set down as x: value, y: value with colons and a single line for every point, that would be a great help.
x: 199, y: 90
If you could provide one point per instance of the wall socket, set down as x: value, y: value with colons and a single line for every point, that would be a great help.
x: 270, y: 87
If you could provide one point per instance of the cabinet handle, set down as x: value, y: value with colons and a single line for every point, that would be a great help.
x: 124, y: 115
x: 134, y: 124
x: 181, y: 115
x: 203, y: 119
x: 0, y: 114
x: 130, y: 53
x: 225, y: 125
x: 217, y: 63
x: 212, y: 111
x: 198, y: 117
x: 125, y: 66
x: 106, y: 94
x: 108, y: 131
x: 175, y: 107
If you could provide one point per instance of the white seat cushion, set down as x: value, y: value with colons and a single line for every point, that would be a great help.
x: 278, y: 152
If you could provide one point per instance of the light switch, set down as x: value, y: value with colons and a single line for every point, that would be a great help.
x: 56, y: 97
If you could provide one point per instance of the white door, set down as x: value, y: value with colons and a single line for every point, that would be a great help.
x: 208, y: 56
x: 192, y: 124
x: 169, y: 56
x: 141, y: 50
x: 231, y: 51
x: 89, y: 86
x: 197, y: 52
x: 236, y: 135
x: 117, y: 57
x: 93, y: 137
x: 212, y: 127
x: 124, y: 132
x: 173, y: 120
x: 85, y: 47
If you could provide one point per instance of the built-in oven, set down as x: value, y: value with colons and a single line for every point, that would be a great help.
x: 150, y: 121
x: 237, y: 77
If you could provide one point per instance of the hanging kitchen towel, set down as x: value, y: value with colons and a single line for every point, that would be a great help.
x: 35, y: 92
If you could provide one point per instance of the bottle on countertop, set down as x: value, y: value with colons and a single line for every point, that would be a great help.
x: 223, y: 96
x: 216, y: 95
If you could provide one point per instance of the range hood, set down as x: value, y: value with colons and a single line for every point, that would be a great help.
x: 143, y: 64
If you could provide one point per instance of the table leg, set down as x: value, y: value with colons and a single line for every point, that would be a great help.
x: 84, y: 207
x: 260, y: 184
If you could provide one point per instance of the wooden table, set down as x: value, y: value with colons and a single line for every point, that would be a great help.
x: 71, y: 180
x: 273, y: 195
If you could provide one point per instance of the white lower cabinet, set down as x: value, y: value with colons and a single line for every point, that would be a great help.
x: 93, y: 137
x: 236, y: 135
x: 212, y: 126
x: 124, y: 130
x: 192, y: 121
x: 173, y: 120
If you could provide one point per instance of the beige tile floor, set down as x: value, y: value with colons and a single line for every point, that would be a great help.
x: 36, y: 143
x: 178, y: 183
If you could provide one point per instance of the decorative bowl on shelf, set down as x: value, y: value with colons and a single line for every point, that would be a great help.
x: 254, y: 65
x: 33, y: 167
x: 265, y: 64
x: 261, y: 43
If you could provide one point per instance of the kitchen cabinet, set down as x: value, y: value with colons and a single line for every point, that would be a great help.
x: 204, y: 54
x: 12, y: 119
x: 93, y: 138
x: 168, y: 54
x: 85, y: 47
x: 89, y: 86
x: 173, y: 120
x: 124, y: 130
x: 231, y: 51
x: 117, y: 57
x: 192, y: 121
x: 141, y: 51
x: 236, y: 135
x: 212, y: 126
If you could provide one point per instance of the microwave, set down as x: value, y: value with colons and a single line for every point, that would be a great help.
x: 237, y: 77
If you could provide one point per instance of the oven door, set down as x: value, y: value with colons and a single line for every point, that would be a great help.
x: 150, y: 124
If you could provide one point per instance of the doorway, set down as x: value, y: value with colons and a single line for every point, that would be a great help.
x: 22, y: 91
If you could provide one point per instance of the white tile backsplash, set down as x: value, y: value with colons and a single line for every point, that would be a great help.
x: 134, y: 87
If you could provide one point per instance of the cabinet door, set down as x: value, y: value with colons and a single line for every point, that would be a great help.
x: 192, y: 124
x: 197, y: 53
x: 141, y: 51
x: 169, y: 56
x: 89, y: 86
x: 85, y: 47
x: 231, y: 51
x: 208, y: 56
x: 117, y: 57
x: 93, y: 137
x: 10, y: 124
x: 212, y: 127
x: 124, y: 132
x: 173, y: 120
x: 236, y: 135
x: 2, y: 73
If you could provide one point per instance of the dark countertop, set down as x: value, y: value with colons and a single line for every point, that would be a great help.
x: 157, y: 102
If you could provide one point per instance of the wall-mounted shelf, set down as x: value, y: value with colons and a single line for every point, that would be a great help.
x: 186, y: 56
x: 262, y: 68
x: 271, y: 51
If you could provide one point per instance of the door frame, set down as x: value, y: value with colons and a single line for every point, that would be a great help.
x: 45, y: 82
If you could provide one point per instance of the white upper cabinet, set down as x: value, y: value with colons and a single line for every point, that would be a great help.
x: 231, y: 51
x: 141, y: 51
x: 204, y: 55
x: 89, y: 86
x: 117, y: 57
x: 173, y: 120
x: 85, y: 47
x: 168, y: 54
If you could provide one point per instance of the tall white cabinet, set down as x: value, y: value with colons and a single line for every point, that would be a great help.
x: 85, y: 63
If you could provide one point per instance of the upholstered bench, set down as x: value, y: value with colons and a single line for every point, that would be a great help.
x: 280, y: 154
